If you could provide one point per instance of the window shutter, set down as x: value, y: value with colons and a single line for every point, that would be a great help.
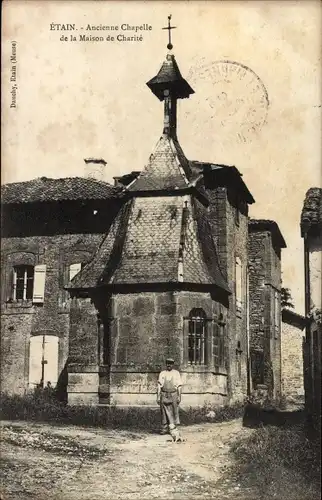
x: 39, y: 284
x: 74, y: 269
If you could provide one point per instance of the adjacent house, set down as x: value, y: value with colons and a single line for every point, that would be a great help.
x: 311, y: 232
x: 50, y: 229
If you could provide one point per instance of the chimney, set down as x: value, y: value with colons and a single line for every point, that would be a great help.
x: 94, y: 168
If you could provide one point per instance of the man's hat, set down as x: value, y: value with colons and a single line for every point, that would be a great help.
x: 169, y: 360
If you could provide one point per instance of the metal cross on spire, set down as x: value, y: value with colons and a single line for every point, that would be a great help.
x: 169, y: 28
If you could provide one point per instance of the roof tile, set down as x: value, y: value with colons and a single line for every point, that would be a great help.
x: 312, y: 210
x: 151, y: 248
x: 46, y: 189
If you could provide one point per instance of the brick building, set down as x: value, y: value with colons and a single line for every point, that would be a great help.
x: 103, y: 283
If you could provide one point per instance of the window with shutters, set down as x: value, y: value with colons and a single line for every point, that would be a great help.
x: 28, y: 283
x: 239, y: 284
x: 197, y: 334
x: 43, y: 360
x: 23, y: 282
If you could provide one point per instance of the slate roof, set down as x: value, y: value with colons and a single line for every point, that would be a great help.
x: 267, y: 225
x: 107, y: 256
x: 167, y: 169
x: 311, y: 216
x: 151, y: 247
x: 45, y: 189
x: 143, y: 247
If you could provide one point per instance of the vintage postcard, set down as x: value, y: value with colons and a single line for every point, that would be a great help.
x: 161, y: 249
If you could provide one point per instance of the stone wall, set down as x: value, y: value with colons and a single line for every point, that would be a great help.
x: 257, y: 289
x: 84, y: 352
x: 231, y: 235
x: 145, y: 329
x: 274, y: 319
x: 22, y: 319
x: 292, y: 362
x: 264, y: 295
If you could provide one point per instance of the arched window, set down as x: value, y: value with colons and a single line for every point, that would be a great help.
x: 197, y: 337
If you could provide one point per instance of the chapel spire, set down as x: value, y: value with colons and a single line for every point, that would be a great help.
x: 169, y: 86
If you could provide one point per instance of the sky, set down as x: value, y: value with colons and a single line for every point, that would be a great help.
x: 80, y: 99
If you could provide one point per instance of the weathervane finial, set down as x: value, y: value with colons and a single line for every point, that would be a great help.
x: 169, y: 28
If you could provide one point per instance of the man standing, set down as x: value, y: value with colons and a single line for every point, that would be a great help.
x: 169, y: 397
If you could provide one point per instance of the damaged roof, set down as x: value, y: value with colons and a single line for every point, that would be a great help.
x: 46, y: 189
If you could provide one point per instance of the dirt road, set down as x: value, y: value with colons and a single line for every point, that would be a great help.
x: 42, y: 461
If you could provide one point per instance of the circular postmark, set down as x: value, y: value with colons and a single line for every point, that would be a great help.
x: 236, y: 96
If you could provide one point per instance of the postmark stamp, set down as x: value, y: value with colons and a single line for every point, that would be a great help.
x: 236, y: 97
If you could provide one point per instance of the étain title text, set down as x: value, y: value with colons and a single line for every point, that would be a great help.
x: 116, y: 33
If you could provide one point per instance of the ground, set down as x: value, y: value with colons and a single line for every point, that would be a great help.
x: 65, y: 463
x: 69, y: 462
